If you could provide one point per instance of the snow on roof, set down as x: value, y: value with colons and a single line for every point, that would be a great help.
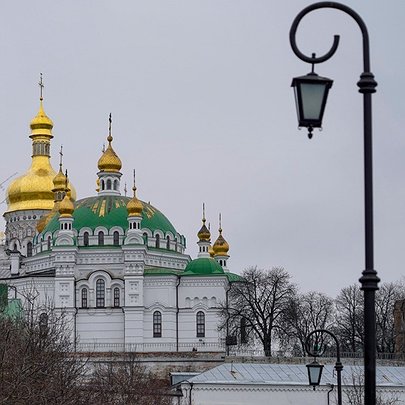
x: 293, y: 374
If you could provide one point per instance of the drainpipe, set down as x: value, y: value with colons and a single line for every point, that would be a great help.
x: 177, y: 313
x: 331, y: 389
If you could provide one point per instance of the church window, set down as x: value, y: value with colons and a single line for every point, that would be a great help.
x: 175, y: 244
x: 145, y: 238
x: 101, y: 238
x: 108, y: 184
x: 86, y: 239
x: 116, y: 185
x: 116, y: 238
x: 84, y: 298
x: 102, y: 184
x: 29, y: 249
x: 168, y: 242
x: 43, y: 323
x: 157, y: 324
x: 100, y: 293
x: 157, y: 241
x: 200, y: 324
x: 49, y: 243
x: 243, y: 335
x: 116, y: 297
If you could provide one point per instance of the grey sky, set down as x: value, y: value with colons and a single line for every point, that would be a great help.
x: 203, y: 110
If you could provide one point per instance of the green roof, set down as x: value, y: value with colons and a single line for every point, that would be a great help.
x: 232, y: 277
x: 110, y: 211
x: 160, y: 271
x: 203, y: 266
x: 14, y: 309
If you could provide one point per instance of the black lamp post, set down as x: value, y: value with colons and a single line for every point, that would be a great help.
x: 367, y: 86
x: 313, y: 368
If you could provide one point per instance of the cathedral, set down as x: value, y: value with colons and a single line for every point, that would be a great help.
x: 115, y: 266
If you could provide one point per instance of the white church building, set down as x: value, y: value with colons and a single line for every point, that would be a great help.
x: 115, y: 265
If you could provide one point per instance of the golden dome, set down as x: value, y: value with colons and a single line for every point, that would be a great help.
x: 66, y: 207
x: 221, y: 246
x: 59, y: 181
x: 211, y: 251
x: 41, y: 124
x: 46, y: 218
x: 134, y: 206
x: 204, y: 235
x: 109, y: 161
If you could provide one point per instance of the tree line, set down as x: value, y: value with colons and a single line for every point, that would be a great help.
x: 267, y: 308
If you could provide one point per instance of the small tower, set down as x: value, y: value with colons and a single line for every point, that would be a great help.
x: 66, y: 208
x: 134, y: 208
x: 204, y: 238
x: 109, y: 166
x: 221, y: 248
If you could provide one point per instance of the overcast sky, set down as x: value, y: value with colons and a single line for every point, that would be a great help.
x: 203, y: 110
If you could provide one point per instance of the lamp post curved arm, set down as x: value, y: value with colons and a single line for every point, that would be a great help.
x: 369, y: 280
x: 335, y: 44
x: 338, y: 364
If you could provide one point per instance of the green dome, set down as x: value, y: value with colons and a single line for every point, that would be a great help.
x: 110, y: 211
x: 201, y: 266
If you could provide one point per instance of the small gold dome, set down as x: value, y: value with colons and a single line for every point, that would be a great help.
x: 109, y: 161
x: 66, y: 207
x: 41, y: 124
x: 59, y: 181
x: 204, y: 235
x: 134, y: 206
x: 221, y: 246
x: 211, y: 251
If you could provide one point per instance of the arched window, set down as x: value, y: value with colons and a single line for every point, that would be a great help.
x: 43, y: 323
x: 84, y: 298
x: 86, y: 239
x: 200, y: 321
x: 116, y: 297
x: 175, y: 244
x: 101, y: 238
x: 29, y: 249
x: 145, y: 238
x: 243, y: 335
x: 116, y: 185
x: 168, y: 242
x: 100, y: 293
x: 108, y: 184
x: 116, y: 238
x: 49, y: 243
x: 157, y: 324
x: 102, y: 185
x: 157, y: 241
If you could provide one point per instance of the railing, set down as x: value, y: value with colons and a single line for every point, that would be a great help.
x: 150, y: 347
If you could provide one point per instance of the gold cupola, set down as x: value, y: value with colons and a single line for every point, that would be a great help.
x: 221, y: 246
x: 109, y: 161
x: 33, y: 190
x: 134, y: 205
x: 204, y: 235
x: 66, y: 206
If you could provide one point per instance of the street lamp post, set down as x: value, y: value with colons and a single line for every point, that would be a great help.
x: 367, y: 86
x: 315, y: 366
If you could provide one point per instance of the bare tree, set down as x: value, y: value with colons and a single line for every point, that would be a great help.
x: 349, y: 326
x: 260, y: 302
x: 126, y: 381
x: 386, y: 297
x: 305, y: 313
x: 36, y: 361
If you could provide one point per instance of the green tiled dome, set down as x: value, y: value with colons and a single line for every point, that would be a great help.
x: 109, y: 211
x: 202, y: 266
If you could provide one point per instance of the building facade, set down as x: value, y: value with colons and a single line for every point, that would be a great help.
x: 114, y: 265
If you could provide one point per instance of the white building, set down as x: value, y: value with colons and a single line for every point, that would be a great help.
x: 114, y: 264
x: 283, y: 384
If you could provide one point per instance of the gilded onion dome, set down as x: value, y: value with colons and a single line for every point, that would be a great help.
x: 204, y: 234
x: 109, y: 161
x: 134, y: 206
x: 59, y: 181
x: 221, y: 246
x: 41, y: 124
x: 211, y: 251
x: 66, y: 207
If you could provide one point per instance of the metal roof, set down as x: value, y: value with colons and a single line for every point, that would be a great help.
x: 293, y: 374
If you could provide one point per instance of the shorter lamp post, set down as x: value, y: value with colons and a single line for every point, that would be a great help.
x: 315, y: 369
